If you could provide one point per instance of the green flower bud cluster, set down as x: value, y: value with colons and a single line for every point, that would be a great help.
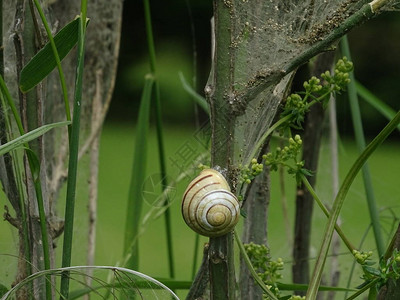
x: 267, y: 269
x: 296, y: 106
x: 341, y: 76
x: 361, y: 257
x: 312, y: 86
x: 281, y: 156
x: 249, y: 173
x: 258, y: 254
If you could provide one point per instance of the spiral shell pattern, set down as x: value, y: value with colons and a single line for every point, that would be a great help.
x: 208, y: 206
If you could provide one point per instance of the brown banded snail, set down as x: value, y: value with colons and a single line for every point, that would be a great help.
x: 208, y: 206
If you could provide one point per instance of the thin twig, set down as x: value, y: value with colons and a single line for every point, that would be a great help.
x: 335, y: 273
x: 93, y: 180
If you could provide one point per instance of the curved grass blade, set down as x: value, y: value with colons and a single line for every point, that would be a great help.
x: 170, y: 283
x: 195, y: 96
x: 126, y: 281
x: 44, y: 61
x: 374, y: 101
x: 135, y: 199
x: 29, y: 136
x: 338, y: 203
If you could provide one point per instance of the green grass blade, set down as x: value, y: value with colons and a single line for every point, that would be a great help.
x: 164, y: 182
x: 375, y: 102
x: 338, y: 203
x: 73, y: 159
x: 135, y: 198
x: 160, y: 139
x: 201, y: 101
x: 57, y: 60
x: 11, y: 103
x: 44, y: 61
x: 27, y: 137
x: 360, y: 140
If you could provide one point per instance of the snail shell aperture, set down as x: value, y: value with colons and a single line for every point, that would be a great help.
x: 208, y: 206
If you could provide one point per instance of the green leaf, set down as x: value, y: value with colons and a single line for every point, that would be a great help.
x: 372, y: 271
x: 44, y: 62
x: 27, y: 137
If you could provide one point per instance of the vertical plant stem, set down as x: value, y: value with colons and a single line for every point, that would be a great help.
x: 73, y: 155
x: 160, y: 138
x: 360, y: 140
x: 221, y: 259
x: 335, y: 271
x: 93, y: 181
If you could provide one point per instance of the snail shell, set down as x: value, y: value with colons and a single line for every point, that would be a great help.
x: 208, y: 206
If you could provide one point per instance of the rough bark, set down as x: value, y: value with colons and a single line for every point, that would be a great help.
x: 255, y: 230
